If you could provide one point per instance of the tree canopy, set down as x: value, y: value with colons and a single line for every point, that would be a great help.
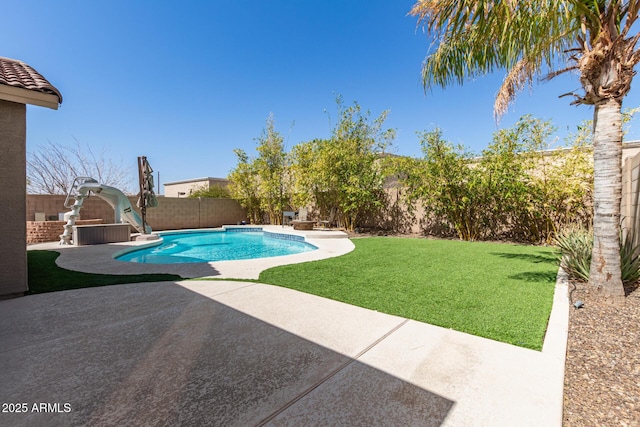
x: 532, y: 39
x: 339, y: 176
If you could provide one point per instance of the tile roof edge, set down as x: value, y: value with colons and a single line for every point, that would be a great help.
x: 19, y: 74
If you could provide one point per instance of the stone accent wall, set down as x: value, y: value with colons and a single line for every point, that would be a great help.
x: 50, y: 231
x: 13, y: 187
x: 171, y: 213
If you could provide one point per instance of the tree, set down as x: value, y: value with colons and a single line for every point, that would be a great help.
x: 352, y: 157
x: 243, y: 186
x: 259, y: 183
x: 270, y: 165
x: 518, y: 189
x: 450, y: 188
x: 52, y: 168
x: 529, y: 39
x: 303, y: 168
x: 515, y: 170
x: 342, y: 175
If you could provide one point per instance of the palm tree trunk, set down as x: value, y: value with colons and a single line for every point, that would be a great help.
x: 604, y: 276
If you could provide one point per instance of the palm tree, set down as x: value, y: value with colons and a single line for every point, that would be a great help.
x: 546, y: 38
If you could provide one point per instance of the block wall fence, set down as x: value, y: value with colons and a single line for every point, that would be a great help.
x: 630, y: 206
x: 397, y: 216
x: 182, y: 213
x: 50, y: 231
x: 171, y: 213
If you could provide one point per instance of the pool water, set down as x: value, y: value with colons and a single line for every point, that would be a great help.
x: 217, y: 246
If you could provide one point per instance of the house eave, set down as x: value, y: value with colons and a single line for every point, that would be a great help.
x: 27, y: 96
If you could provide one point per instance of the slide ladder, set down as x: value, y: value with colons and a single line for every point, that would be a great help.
x: 83, y: 186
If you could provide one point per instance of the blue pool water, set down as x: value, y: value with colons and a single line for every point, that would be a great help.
x: 218, y: 246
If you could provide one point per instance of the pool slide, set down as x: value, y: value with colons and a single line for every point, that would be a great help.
x: 119, y: 202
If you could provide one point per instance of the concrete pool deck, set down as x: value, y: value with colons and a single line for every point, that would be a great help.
x: 234, y: 353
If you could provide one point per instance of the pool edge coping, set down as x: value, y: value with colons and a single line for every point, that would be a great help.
x: 225, y: 229
x: 99, y: 258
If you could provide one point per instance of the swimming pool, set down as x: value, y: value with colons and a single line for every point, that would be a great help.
x: 207, y: 246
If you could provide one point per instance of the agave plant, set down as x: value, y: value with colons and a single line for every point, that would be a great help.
x: 629, y: 258
x: 576, y: 244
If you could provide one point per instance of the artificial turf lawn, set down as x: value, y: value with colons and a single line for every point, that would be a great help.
x: 45, y: 276
x: 493, y: 290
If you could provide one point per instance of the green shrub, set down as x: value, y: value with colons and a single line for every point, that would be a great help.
x: 215, y: 192
x: 519, y: 189
x: 576, y: 245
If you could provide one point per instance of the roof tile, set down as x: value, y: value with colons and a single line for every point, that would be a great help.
x: 18, y: 74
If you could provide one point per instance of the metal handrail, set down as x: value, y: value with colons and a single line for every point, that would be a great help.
x: 74, y: 186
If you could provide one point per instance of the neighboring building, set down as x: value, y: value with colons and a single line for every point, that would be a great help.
x: 185, y: 188
x: 19, y: 85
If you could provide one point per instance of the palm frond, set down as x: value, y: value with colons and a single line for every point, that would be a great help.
x: 515, y: 80
x: 631, y: 14
x: 474, y: 38
x: 556, y: 73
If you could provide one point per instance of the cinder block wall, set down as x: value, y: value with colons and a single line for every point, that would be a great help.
x: 13, y: 187
x: 50, y: 231
x: 51, y: 205
x: 171, y: 213
x: 221, y: 211
x: 629, y: 207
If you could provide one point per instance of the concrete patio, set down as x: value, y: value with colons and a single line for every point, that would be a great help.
x: 232, y: 353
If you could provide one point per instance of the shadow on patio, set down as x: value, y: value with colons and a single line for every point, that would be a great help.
x: 161, y: 354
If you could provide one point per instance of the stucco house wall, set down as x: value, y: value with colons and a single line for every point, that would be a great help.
x: 13, y: 186
x: 186, y: 187
x: 20, y: 85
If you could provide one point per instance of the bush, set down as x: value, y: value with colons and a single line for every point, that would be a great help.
x: 576, y: 244
x: 215, y: 192
x: 519, y: 189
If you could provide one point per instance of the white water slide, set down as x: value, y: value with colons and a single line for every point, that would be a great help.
x: 119, y: 202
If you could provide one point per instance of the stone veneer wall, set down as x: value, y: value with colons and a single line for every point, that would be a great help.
x: 50, y: 231
x: 171, y: 213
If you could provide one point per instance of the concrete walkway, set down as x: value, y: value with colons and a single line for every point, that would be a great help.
x: 227, y: 353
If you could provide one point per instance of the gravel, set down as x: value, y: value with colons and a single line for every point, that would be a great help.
x: 602, y: 370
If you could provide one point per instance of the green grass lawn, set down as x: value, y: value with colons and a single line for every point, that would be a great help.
x: 498, y: 291
x: 45, y: 276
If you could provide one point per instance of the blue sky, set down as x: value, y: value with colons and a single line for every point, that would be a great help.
x: 186, y: 82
